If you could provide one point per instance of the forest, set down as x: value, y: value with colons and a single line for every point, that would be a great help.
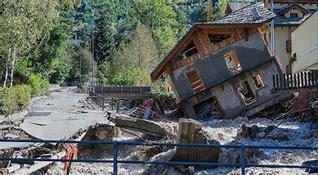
x: 117, y: 42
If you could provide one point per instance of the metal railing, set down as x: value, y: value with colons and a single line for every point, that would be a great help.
x: 242, y: 164
x: 121, y: 89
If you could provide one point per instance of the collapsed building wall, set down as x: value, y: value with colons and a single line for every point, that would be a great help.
x: 231, y: 100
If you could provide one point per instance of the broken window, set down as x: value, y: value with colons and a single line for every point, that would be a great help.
x: 195, y: 80
x: 216, y: 38
x: 187, y: 52
x: 258, y: 81
x: 246, y: 92
x: 232, y: 62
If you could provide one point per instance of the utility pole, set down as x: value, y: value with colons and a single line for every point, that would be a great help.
x: 92, y: 50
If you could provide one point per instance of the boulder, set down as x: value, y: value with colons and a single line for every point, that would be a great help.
x: 98, y: 132
x: 154, y: 169
x: 270, y: 128
x: 279, y: 134
x: 190, y: 132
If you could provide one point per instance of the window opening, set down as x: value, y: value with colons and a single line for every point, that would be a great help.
x: 216, y: 38
x: 246, y: 92
x: 195, y: 80
x: 232, y: 62
x: 187, y: 52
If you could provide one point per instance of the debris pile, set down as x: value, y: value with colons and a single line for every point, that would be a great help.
x: 190, y: 132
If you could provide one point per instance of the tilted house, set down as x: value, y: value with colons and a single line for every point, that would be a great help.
x: 225, y: 64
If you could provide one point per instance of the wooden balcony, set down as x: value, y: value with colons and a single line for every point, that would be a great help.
x: 295, y: 82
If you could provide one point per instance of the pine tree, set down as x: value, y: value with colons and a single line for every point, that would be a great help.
x: 209, y: 11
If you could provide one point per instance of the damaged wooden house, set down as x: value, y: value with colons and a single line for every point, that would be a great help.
x: 223, y: 66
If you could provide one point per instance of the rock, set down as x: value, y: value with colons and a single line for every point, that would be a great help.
x: 232, y: 155
x: 162, y: 169
x: 270, y: 128
x: 245, y: 130
x: 278, y: 134
x: 249, y: 131
x: 254, y: 131
x: 99, y: 132
x: 190, y: 132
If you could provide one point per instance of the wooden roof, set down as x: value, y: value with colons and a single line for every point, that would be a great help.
x: 253, y: 15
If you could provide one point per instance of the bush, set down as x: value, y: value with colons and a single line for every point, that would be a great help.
x: 14, y: 99
x: 23, y: 96
x: 39, y: 86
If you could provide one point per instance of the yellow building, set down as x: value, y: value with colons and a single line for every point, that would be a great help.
x: 289, y: 15
x: 305, y: 45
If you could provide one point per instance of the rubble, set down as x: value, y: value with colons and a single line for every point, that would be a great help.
x: 144, y: 126
x: 190, y: 132
x: 98, y: 132
x: 162, y: 169
x: 77, y: 125
x: 255, y: 132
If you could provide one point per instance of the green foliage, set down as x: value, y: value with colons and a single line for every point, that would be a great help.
x: 23, y: 95
x: 7, y: 100
x: 132, y: 62
x: 39, y: 86
x: 161, y: 19
x: 14, y: 99
x: 52, y: 39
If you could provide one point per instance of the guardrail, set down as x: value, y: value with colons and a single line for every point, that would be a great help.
x: 242, y: 164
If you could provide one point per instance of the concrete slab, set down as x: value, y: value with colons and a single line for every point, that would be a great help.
x: 60, y: 125
x: 58, y: 117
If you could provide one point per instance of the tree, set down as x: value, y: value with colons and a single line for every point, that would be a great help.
x: 209, y: 11
x: 25, y: 24
x: 132, y: 61
x: 161, y: 19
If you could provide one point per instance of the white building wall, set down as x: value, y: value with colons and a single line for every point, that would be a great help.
x: 305, y: 44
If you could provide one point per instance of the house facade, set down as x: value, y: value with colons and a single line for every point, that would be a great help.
x: 289, y: 15
x: 305, y: 45
x: 224, y: 66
